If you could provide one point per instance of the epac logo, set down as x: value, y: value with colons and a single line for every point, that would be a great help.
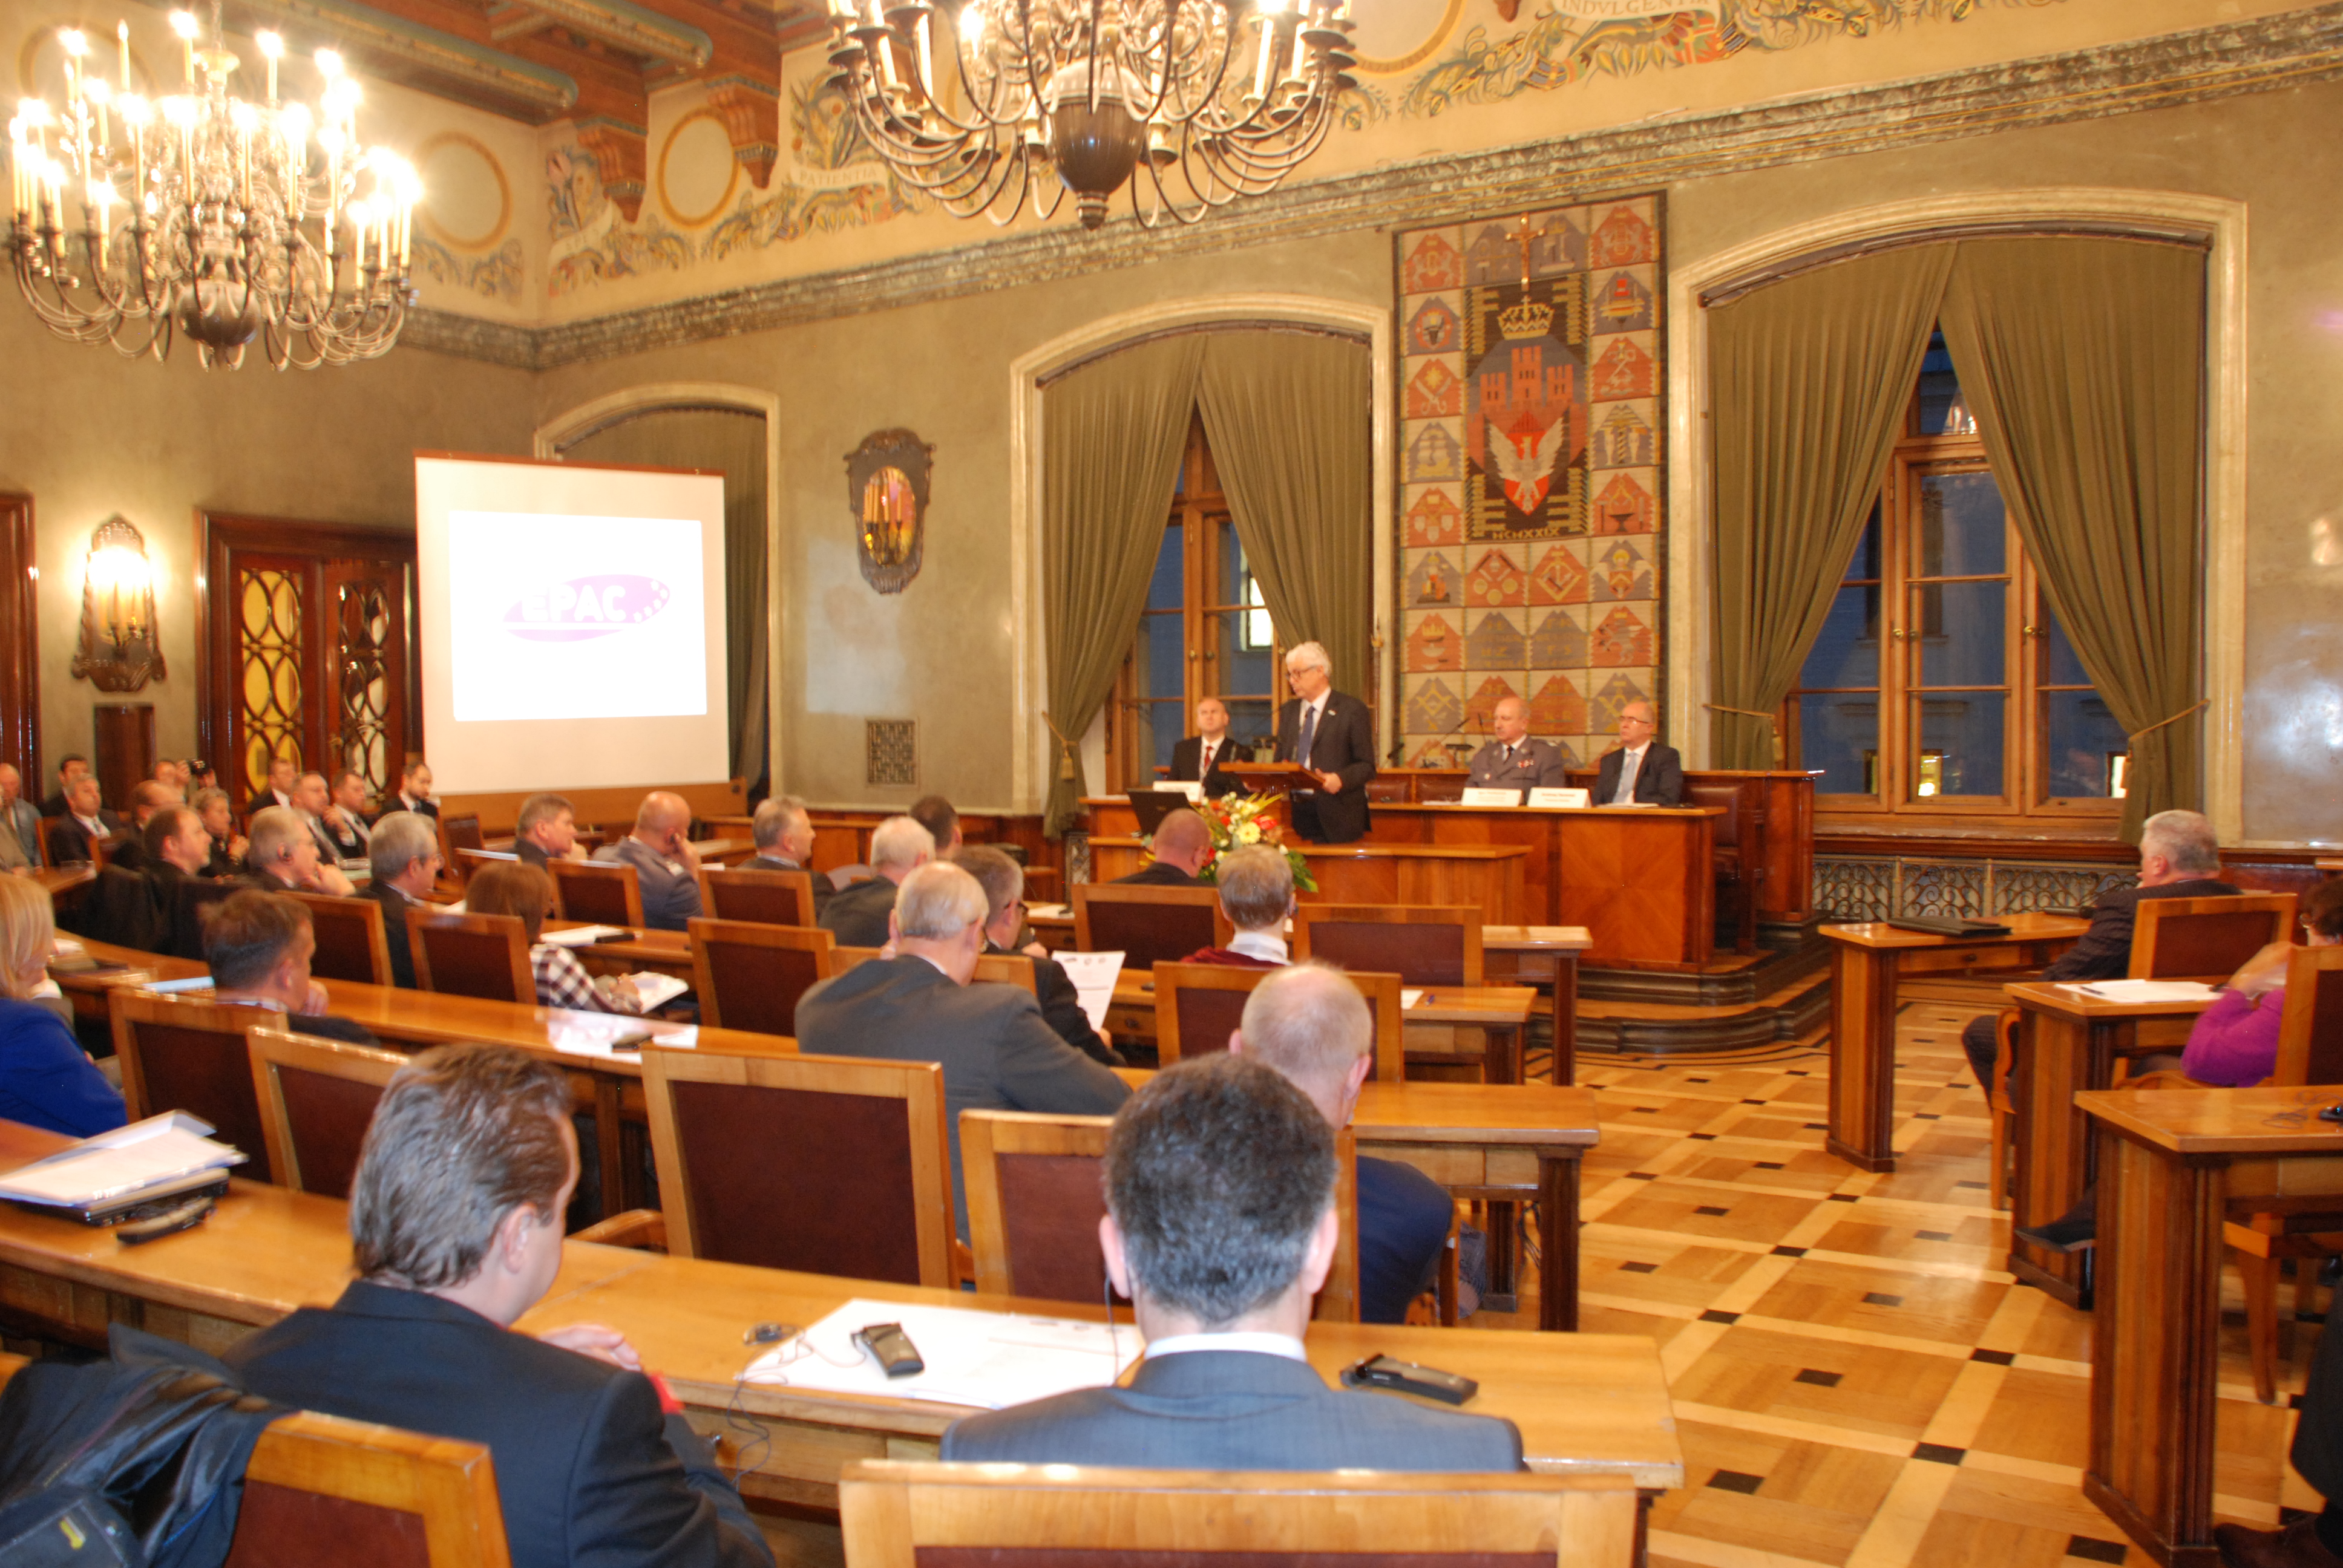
x: 586, y: 607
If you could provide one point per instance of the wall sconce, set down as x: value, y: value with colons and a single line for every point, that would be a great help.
x: 121, y: 647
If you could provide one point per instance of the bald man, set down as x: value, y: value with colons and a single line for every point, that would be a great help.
x: 1183, y: 844
x: 659, y: 849
x: 1641, y: 772
x: 1513, y: 760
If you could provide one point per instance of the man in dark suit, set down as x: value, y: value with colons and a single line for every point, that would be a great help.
x: 659, y: 849
x: 72, y: 767
x: 284, y: 777
x: 783, y: 831
x: 938, y: 815
x: 1197, y: 759
x: 403, y: 856
x: 998, y: 1053
x: 259, y: 946
x: 455, y: 1221
x: 1221, y: 1226
x: 1182, y: 845
x: 856, y: 915
x: 1326, y: 731
x: 1654, y: 773
x: 2179, y: 857
x: 283, y: 854
x: 1513, y: 760
x: 546, y: 829
x: 415, y: 792
x: 127, y: 845
x: 74, y: 836
x: 1004, y: 881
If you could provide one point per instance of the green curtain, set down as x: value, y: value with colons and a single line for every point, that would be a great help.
x: 1112, y: 435
x: 1810, y: 379
x: 1288, y: 419
x: 2083, y: 360
x: 732, y: 441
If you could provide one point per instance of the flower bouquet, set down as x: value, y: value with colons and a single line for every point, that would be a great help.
x: 1238, y: 820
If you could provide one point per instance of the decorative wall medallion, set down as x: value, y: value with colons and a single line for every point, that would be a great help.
x: 886, y: 491
x: 120, y: 648
x: 891, y: 751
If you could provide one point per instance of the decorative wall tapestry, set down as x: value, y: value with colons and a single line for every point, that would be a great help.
x: 1532, y: 476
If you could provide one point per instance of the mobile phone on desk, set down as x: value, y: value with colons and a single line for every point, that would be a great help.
x: 1408, y: 1377
x: 634, y: 1042
x: 891, y: 1348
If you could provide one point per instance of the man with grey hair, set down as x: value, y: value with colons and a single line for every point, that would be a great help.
x: 1639, y: 771
x: 997, y: 1052
x: 20, y: 818
x: 1513, y: 759
x: 404, y: 858
x: 1220, y: 1225
x: 284, y: 854
x: 659, y: 849
x: 546, y: 829
x: 783, y: 831
x: 1256, y: 885
x: 1328, y: 732
x: 1309, y: 1022
x: 2179, y: 857
x: 858, y: 915
x: 456, y: 1224
x: 1004, y: 881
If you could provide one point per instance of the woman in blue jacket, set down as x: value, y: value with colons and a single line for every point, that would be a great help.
x: 46, y: 1079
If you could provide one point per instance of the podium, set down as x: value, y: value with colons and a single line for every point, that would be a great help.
x: 1275, y: 779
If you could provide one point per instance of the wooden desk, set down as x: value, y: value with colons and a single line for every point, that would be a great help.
x: 1866, y: 960
x: 499, y: 810
x: 1501, y: 1011
x: 1586, y: 1404
x: 2172, y: 1167
x: 2067, y: 1044
x: 1486, y: 876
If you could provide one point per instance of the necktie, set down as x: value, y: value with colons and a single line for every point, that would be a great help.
x: 1309, y: 735
x: 1509, y: 755
x: 1205, y: 766
x: 1630, y: 763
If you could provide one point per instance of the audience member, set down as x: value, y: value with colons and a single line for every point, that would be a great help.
x: 127, y: 845
x: 1196, y: 758
x: 547, y: 831
x: 1182, y: 846
x: 284, y: 854
x: 998, y: 1053
x: 1639, y: 771
x: 1004, y: 881
x: 1513, y: 760
x: 659, y: 849
x: 415, y: 792
x: 74, y: 836
x: 199, y: 776
x: 858, y: 915
x: 403, y: 861
x: 341, y: 821
x: 259, y: 946
x: 284, y: 773
x: 171, y: 776
x: 20, y: 819
x: 783, y: 831
x: 72, y: 767
x: 935, y: 813
x: 455, y: 1217
x: 177, y: 848
x: 1256, y: 885
x: 228, y: 846
x: 1331, y: 733
x: 2178, y: 859
x: 1309, y: 1022
x: 46, y: 1080
x: 1221, y: 1226
x: 511, y: 887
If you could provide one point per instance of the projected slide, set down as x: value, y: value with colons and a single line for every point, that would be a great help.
x: 571, y: 624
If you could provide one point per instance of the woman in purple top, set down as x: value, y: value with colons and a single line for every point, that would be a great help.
x: 2234, y: 1040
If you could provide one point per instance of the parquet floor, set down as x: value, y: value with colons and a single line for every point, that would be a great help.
x: 1857, y: 1382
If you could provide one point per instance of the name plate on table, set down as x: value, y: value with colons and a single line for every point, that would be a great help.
x: 1576, y: 799
x: 1189, y: 788
x: 1491, y: 798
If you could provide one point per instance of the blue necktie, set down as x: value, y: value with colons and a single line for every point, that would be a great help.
x: 1309, y: 734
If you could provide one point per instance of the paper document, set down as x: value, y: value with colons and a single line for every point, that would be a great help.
x: 596, y: 1033
x: 143, y: 1154
x: 987, y: 1360
x: 583, y: 936
x: 1093, y: 975
x: 657, y: 990
x: 178, y: 987
x: 1571, y: 798
x: 1050, y: 912
x: 1193, y: 790
x: 1491, y: 798
x: 1409, y: 997
x: 2147, y: 991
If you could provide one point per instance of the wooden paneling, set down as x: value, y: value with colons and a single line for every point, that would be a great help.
x: 20, y: 647
x: 499, y: 810
x: 1488, y: 877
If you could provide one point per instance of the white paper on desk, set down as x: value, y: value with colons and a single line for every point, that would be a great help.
x: 2141, y: 991
x: 159, y: 1149
x: 1478, y: 797
x: 657, y: 990
x: 1093, y: 975
x: 176, y: 987
x: 1409, y: 997
x: 987, y: 1360
x: 1189, y: 788
x: 582, y: 936
x: 67, y: 945
x: 1050, y: 912
x: 1575, y: 799
x: 593, y: 1033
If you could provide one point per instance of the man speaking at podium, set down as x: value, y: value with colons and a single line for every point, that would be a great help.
x: 1327, y: 732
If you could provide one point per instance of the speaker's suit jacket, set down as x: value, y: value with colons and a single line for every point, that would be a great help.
x: 589, y: 1469
x: 1190, y: 753
x: 1536, y: 765
x: 1345, y: 743
x: 1235, y: 1410
x: 997, y: 1052
x: 1660, y: 783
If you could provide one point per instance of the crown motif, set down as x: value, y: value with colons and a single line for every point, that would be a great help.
x: 1527, y: 319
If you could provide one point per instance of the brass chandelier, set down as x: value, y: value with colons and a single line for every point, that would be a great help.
x: 1191, y: 103
x: 208, y: 215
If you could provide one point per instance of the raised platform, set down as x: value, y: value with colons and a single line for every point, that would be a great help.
x: 1737, y: 1001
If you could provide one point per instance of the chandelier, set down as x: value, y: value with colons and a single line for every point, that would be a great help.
x: 1192, y: 102
x: 208, y: 215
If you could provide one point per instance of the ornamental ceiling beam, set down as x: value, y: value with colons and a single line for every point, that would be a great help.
x: 632, y: 29
x: 416, y: 54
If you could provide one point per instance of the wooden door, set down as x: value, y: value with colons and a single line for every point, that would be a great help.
x: 20, y: 646
x: 309, y: 651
